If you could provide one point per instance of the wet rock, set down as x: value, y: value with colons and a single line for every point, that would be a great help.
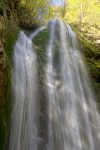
x: 3, y: 75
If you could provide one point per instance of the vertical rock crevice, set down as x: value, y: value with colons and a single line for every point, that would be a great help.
x: 3, y: 75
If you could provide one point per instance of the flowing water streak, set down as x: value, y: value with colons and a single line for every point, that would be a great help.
x: 74, y: 122
x: 37, y: 31
x: 82, y: 97
x: 51, y: 89
x: 24, y: 119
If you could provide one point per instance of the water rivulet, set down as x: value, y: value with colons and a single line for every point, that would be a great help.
x: 71, y: 120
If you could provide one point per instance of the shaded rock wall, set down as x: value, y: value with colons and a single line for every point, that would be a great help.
x: 3, y: 66
x: 8, y: 34
x: 3, y: 75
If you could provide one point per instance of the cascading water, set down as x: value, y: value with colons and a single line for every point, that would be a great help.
x: 24, y: 119
x: 71, y: 116
x: 74, y: 122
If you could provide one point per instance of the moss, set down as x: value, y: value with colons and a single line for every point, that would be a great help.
x: 94, y: 70
x: 91, y: 51
x: 10, y: 37
x: 40, y: 43
x: 41, y: 39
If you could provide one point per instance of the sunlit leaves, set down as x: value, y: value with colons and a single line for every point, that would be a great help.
x: 36, y: 9
x: 82, y: 10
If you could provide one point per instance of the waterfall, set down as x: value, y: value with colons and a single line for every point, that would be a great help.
x: 74, y: 122
x: 70, y: 119
x: 24, y: 119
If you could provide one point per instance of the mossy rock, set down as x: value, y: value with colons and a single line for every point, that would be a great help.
x: 40, y: 43
x: 91, y: 52
x: 10, y: 36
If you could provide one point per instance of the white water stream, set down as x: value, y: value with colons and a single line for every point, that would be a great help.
x: 73, y: 118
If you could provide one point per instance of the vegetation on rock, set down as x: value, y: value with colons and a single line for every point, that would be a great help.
x: 8, y: 35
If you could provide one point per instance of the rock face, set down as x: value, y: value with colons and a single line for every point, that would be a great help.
x: 3, y: 75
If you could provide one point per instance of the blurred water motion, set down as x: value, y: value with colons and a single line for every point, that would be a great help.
x: 57, y: 111
x: 24, y: 119
x: 74, y: 122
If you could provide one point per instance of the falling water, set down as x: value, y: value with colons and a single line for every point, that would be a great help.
x: 74, y: 122
x: 23, y: 134
x: 71, y: 119
x: 34, y: 34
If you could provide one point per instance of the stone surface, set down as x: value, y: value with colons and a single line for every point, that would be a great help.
x: 3, y: 75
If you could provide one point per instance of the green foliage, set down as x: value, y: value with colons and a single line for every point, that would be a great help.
x: 2, y: 4
x: 40, y: 42
x: 91, y: 52
x: 34, y: 10
x: 10, y: 36
x: 83, y: 11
